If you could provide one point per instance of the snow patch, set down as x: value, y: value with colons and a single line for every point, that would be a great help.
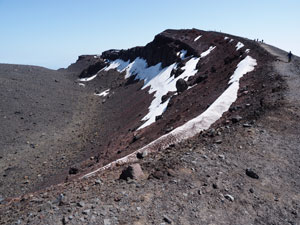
x: 104, y: 93
x: 118, y: 64
x: 247, y: 50
x: 197, y: 38
x: 182, y: 54
x: 225, y: 38
x: 245, y: 66
x: 158, y: 79
x: 200, y: 123
x: 231, y: 40
x: 239, y: 45
x: 207, y: 52
x: 81, y: 84
x: 191, y: 87
x: 88, y: 78
x: 221, y: 105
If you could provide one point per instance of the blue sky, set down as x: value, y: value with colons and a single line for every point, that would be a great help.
x: 52, y: 33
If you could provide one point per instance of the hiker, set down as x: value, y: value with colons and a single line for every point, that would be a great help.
x: 290, y: 56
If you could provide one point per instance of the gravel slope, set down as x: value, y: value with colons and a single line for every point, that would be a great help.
x: 42, y: 119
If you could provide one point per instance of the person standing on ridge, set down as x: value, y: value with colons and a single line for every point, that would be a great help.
x: 290, y: 56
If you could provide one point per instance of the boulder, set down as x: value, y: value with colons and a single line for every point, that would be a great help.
x: 236, y: 119
x: 133, y: 171
x: 141, y: 155
x: 165, y: 97
x: 73, y: 170
x: 177, y: 72
x: 181, y: 85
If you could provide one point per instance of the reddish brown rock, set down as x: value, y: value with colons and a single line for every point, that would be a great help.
x: 133, y: 171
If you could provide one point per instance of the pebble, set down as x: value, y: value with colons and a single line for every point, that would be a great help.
x: 106, y: 222
x: 229, y: 197
x: 218, y: 141
x: 93, y: 218
x: 236, y: 119
x: 167, y: 219
x: 86, y: 212
x: 98, y: 182
x: 65, y: 220
x: 251, y: 173
x: 1, y: 199
x: 221, y: 157
x: 81, y: 204
x: 141, y: 155
x: 86, y: 188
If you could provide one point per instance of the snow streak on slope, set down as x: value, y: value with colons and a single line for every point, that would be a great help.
x: 88, y: 78
x: 104, y: 93
x: 203, y: 54
x: 221, y: 105
x: 159, y: 80
x: 117, y: 64
x: 239, y: 45
x: 201, y: 122
x: 92, y: 77
x: 197, y: 38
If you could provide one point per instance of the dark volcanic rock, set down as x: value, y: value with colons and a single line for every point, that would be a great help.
x: 177, y: 72
x: 181, y: 85
x: 162, y: 49
x: 251, y: 173
x: 141, y: 155
x: 83, y: 62
x: 92, y: 69
x: 166, y: 96
x: 73, y: 170
x: 201, y: 78
x: 236, y: 119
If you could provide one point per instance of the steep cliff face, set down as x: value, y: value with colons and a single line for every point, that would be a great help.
x: 163, y: 49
